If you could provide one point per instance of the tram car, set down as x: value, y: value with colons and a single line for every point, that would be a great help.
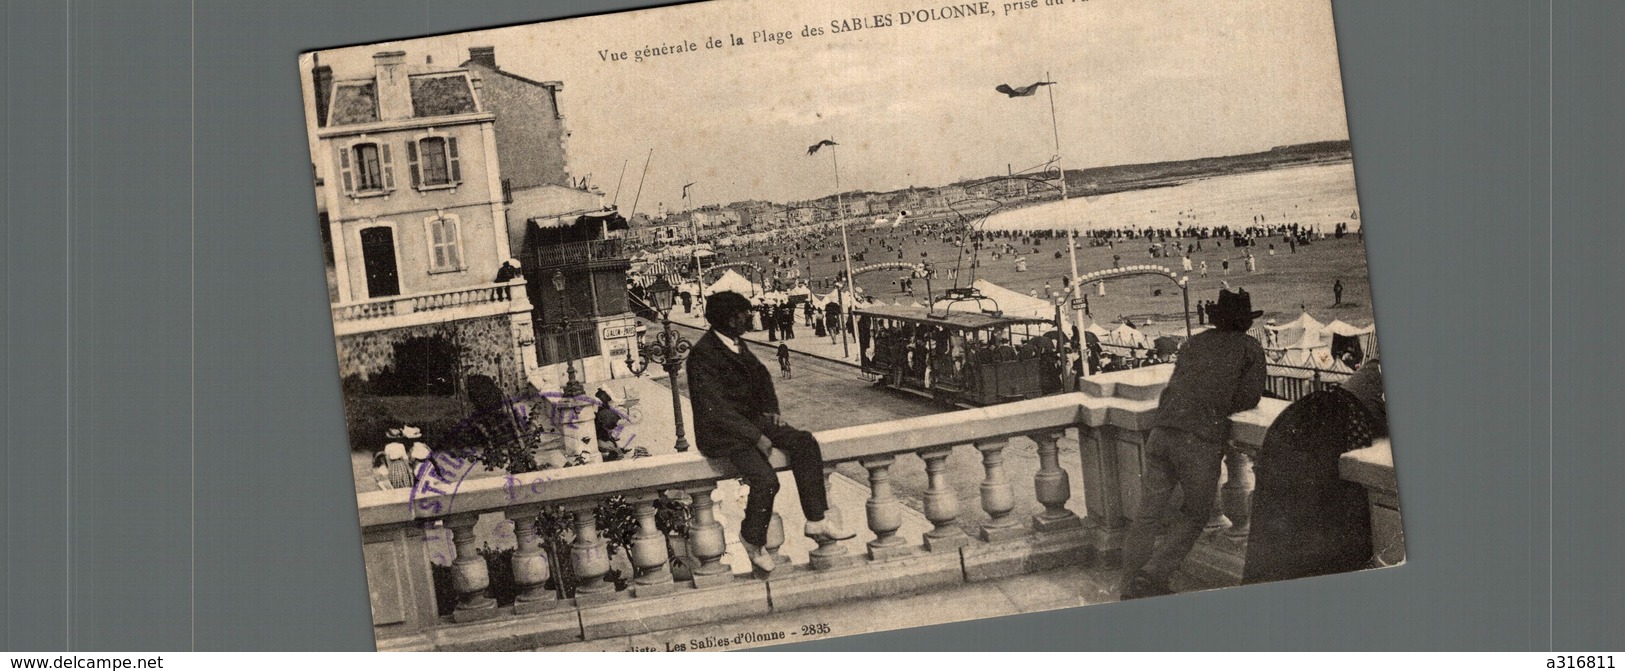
x: 959, y: 358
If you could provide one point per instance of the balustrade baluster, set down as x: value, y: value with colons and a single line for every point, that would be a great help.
x: 589, y: 554
x: 530, y: 565
x: 941, y: 503
x: 1236, y: 496
x: 649, y: 554
x: 830, y: 554
x: 775, y: 540
x: 998, y: 499
x: 470, y: 577
x: 885, y: 512
x: 1053, y: 486
x: 705, y: 539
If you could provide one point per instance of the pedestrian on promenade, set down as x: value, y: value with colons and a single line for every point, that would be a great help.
x: 787, y: 322
x: 784, y: 360
x: 736, y: 417
x: 1204, y: 269
x: 1337, y: 293
x: 1218, y: 373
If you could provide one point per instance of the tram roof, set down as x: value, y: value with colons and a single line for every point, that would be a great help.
x: 962, y: 320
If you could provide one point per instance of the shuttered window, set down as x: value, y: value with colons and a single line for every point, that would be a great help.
x: 445, y: 251
x: 434, y: 161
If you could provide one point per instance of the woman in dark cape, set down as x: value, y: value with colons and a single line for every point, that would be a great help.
x: 1306, y: 520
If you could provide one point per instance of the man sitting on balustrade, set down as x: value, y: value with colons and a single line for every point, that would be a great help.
x: 736, y: 417
x: 1217, y: 373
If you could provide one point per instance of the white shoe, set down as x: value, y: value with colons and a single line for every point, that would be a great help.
x: 759, y: 557
x: 827, y: 530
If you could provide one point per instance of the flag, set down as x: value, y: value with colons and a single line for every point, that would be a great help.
x: 685, y: 188
x: 821, y: 144
x: 1021, y: 92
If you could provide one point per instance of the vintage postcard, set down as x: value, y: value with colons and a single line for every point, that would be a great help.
x: 744, y: 323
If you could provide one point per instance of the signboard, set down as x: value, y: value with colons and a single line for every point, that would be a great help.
x: 1080, y: 303
x: 618, y: 332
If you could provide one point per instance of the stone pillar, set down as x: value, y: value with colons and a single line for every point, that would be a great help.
x: 470, y: 576
x: 941, y: 504
x: 530, y: 566
x: 1053, y: 486
x: 1236, y: 496
x: 705, y: 539
x: 998, y: 499
x: 574, y: 415
x: 1103, y: 490
x: 829, y: 554
x: 885, y: 512
x: 589, y: 554
x: 648, y: 553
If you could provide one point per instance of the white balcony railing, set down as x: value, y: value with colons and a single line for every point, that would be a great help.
x: 430, y: 306
x: 1112, y: 418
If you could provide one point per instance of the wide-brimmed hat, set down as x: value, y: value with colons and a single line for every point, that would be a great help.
x: 410, y: 432
x: 1234, y: 305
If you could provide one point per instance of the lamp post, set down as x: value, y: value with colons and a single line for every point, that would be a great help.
x: 572, y: 385
x: 669, y: 350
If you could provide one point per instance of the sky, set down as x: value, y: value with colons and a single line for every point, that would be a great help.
x: 909, y: 105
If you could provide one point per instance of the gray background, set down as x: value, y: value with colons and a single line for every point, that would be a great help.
x: 176, y: 474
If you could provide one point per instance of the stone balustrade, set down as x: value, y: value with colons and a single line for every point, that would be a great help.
x: 1110, y: 418
x: 431, y: 306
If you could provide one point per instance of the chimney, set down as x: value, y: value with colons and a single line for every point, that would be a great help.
x: 486, y: 56
x: 394, y: 89
x: 321, y: 77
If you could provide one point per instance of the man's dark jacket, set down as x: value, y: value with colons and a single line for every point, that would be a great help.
x: 1218, y: 374
x: 731, y: 393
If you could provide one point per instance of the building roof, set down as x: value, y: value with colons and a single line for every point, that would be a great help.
x: 442, y: 94
x: 355, y: 101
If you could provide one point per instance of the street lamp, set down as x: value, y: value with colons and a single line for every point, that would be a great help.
x: 572, y: 386
x: 669, y: 350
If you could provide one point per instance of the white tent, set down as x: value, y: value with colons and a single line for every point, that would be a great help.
x: 1344, y: 328
x: 1128, y: 336
x: 732, y: 281
x: 1098, y: 330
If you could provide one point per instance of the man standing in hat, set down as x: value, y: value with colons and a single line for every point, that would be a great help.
x: 736, y: 417
x: 1218, y: 373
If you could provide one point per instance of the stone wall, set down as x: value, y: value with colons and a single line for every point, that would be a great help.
x: 484, y: 346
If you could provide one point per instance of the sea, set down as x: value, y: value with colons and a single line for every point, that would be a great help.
x: 1314, y: 195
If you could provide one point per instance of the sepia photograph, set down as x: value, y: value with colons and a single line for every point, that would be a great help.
x: 735, y: 324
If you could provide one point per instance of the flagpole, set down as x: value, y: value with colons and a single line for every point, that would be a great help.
x: 846, y: 252
x: 1072, y: 231
x: 694, y: 249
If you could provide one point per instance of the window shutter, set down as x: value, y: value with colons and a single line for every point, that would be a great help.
x: 388, y: 167
x: 451, y: 159
x: 344, y: 169
x: 437, y: 243
x: 454, y: 247
x: 412, y: 162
